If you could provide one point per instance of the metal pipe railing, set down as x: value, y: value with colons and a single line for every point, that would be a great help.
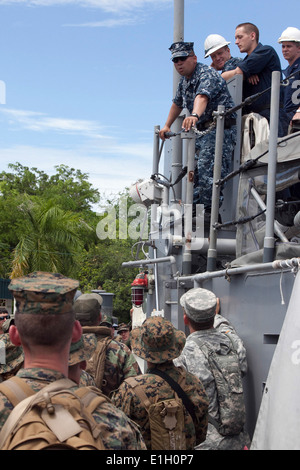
x: 269, y: 240
x: 260, y: 267
x: 146, y: 262
x: 215, y: 203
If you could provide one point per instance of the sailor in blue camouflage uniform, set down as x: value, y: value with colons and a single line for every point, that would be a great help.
x: 207, y: 332
x: 217, y: 48
x: 45, y: 325
x: 201, y: 90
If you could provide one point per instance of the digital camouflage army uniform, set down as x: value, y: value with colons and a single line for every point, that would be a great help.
x: 200, y: 305
x: 207, y: 81
x: 158, y: 342
x: 120, y: 362
x: 41, y: 294
x: 222, y: 325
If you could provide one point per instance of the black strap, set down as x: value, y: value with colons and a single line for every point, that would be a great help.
x: 176, y: 387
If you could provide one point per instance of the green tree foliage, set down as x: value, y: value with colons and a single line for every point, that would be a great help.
x: 49, y: 240
x: 49, y: 223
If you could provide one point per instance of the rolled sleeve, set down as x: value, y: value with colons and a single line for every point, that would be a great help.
x: 257, y: 61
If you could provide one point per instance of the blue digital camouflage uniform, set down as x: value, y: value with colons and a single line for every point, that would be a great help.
x: 207, y: 81
x: 231, y: 64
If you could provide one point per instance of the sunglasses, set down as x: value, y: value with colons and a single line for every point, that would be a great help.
x: 182, y: 59
x: 7, y: 317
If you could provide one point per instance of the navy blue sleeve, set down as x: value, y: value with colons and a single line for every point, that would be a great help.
x: 258, y: 60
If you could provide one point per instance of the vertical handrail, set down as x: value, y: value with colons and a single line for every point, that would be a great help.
x: 269, y: 240
x: 215, y: 203
x: 188, y: 206
x: 178, y: 35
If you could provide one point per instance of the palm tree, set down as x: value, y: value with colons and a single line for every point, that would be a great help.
x: 49, y: 241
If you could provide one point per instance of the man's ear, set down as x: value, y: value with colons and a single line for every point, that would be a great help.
x: 14, y: 335
x: 185, y: 319
x: 77, y: 331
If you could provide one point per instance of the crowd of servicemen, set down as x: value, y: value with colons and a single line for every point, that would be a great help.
x: 203, y: 88
x: 54, y: 336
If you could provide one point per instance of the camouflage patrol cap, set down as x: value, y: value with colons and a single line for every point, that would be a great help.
x: 181, y: 49
x: 157, y: 340
x: 11, y: 356
x: 199, y: 304
x: 87, y: 307
x: 123, y: 327
x: 7, y: 324
x: 107, y: 320
x: 43, y: 293
x: 83, y: 349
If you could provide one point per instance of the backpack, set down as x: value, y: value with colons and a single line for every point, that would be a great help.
x: 228, y: 380
x: 55, y: 418
x: 166, y: 417
x: 96, y: 364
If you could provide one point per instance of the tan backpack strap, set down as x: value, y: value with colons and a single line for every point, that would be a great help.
x: 91, y: 397
x: 138, y: 390
x: 16, y: 390
x: 100, y: 355
x: 21, y: 408
x: 13, y: 418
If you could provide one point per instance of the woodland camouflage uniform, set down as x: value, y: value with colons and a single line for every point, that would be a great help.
x: 119, y: 360
x: 158, y: 342
x: 52, y: 294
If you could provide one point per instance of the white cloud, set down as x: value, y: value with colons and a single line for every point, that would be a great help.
x: 107, y: 171
x: 37, y: 121
x: 111, y: 163
x: 109, y: 23
x: 109, y: 6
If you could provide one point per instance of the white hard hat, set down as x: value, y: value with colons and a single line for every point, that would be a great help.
x: 212, y: 43
x: 290, y: 34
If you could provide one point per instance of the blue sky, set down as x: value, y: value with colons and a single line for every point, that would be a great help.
x: 87, y: 80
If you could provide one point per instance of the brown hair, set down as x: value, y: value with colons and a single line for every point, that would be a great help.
x: 250, y: 28
x: 45, y: 330
x: 203, y: 325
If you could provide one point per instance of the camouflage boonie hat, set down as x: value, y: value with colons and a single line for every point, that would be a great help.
x: 43, y: 293
x: 157, y: 340
x: 11, y: 356
x: 83, y: 349
x: 199, y: 304
x: 107, y: 320
x: 87, y: 306
x: 181, y: 49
